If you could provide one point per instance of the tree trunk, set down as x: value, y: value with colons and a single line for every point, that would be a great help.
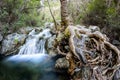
x: 64, y: 14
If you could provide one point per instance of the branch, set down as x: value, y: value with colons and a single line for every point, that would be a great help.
x: 52, y: 15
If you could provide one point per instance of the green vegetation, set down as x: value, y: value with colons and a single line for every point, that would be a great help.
x: 106, y: 15
x: 22, y: 13
x: 102, y: 13
x: 18, y: 13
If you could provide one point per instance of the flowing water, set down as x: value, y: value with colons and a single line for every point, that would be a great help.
x: 35, y: 42
x: 32, y: 62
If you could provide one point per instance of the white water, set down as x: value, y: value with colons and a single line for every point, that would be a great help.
x: 35, y: 43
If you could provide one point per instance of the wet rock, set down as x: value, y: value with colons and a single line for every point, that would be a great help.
x: 12, y: 42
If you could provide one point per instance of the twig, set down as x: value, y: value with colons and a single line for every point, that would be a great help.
x: 52, y: 15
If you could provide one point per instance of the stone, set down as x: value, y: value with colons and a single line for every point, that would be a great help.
x: 25, y: 30
x: 94, y: 28
x: 50, y: 42
x: 50, y: 45
x: 62, y: 63
x: 12, y: 42
x: 115, y: 42
x: 51, y: 26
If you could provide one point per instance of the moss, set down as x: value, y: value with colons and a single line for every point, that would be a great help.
x: 66, y: 32
x: 16, y: 40
x: 77, y: 34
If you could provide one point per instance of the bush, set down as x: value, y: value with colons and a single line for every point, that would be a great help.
x: 18, y: 13
x: 22, y: 13
x: 96, y: 13
x: 101, y: 14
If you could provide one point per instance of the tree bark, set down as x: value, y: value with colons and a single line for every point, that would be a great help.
x: 64, y: 13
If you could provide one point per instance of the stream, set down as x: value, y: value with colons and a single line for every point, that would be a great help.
x: 32, y: 62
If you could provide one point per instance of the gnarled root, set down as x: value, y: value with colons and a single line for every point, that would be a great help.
x: 92, y: 48
x: 88, y: 48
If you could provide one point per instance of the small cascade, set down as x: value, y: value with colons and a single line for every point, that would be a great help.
x: 35, y: 43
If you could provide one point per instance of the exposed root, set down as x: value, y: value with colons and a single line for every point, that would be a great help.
x: 59, y: 52
x: 115, y: 49
x: 88, y: 48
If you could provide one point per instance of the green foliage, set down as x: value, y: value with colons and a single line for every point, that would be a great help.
x: 22, y: 13
x: 101, y: 14
x: 19, y: 13
x: 77, y: 10
x: 113, y: 17
x: 16, y: 40
x: 95, y: 13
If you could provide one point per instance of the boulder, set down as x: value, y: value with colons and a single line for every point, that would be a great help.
x: 25, y: 30
x: 50, y: 45
x: 62, y: 63
x: 11, y: 43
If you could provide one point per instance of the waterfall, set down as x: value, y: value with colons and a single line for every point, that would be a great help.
x: 31, y: 63
x: 35, y: 43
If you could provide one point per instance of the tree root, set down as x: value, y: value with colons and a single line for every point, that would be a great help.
x: 93, y: 49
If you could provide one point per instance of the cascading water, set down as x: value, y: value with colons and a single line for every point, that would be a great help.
x: 35, y: 42
x: 28, y: 64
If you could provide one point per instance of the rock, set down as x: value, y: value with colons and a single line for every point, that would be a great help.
x: 115, y: 42
x: 51, y: 26
x: 25, y: 30
x: 12, y: 42
x: 81, y: 27
x: 50, y: 45
x: 62, y: 63
x: 1, y: 37
x: 94, y: 28
x: 50, y: 42
x: 117, y: 75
